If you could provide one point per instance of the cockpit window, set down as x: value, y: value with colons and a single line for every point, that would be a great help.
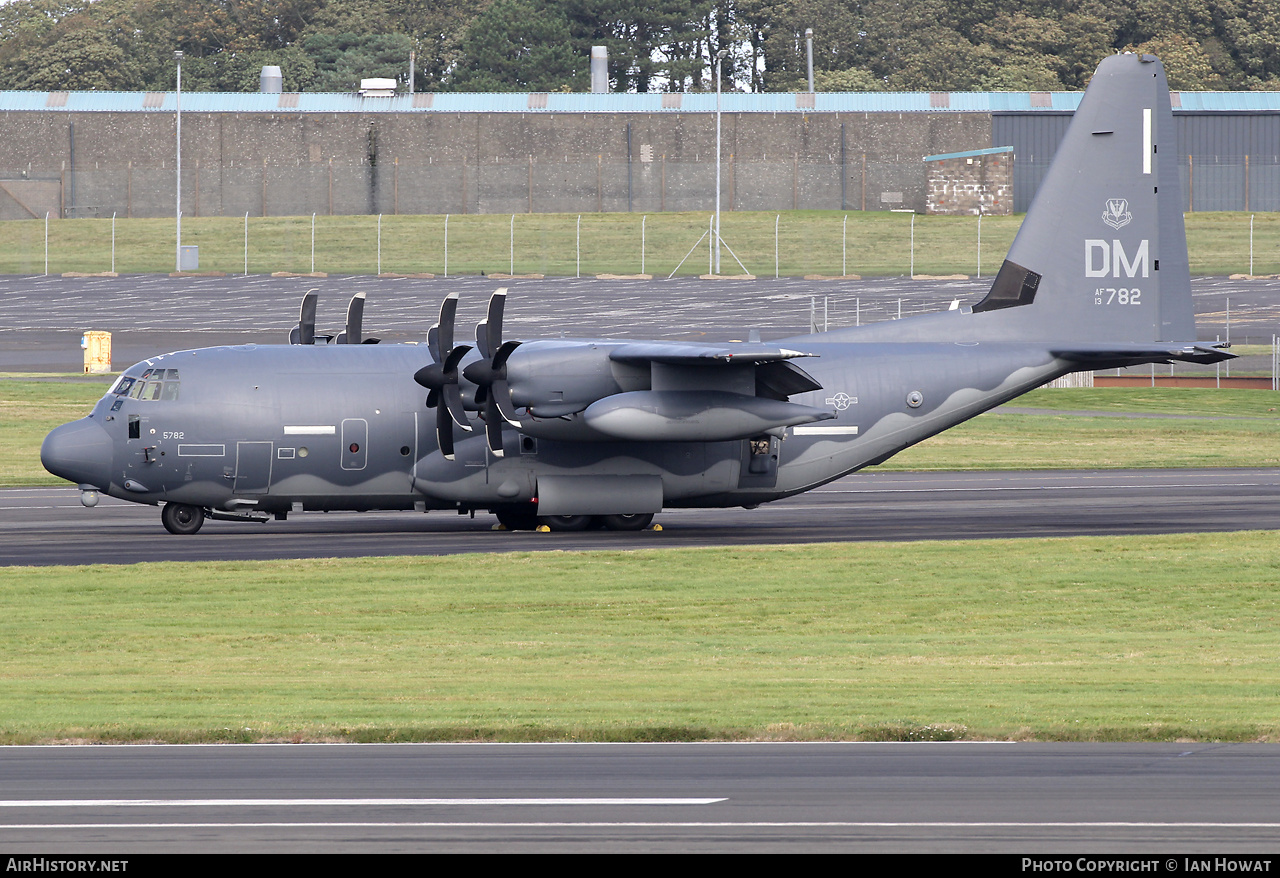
x: 152, y: 384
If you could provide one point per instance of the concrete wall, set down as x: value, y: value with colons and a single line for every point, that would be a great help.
x: 353, y: 163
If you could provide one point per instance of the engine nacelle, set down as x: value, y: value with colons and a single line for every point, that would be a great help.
x: 694, y: 415
x: 553, y: 378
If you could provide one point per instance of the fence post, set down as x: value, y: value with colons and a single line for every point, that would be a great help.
x: 979, y: 242
x: 1250, y: 244
x: 113, y: 242
x: 446, y: 245
x: 577, y: 249
x: 313, y: 243
x: 379, y: 243
x: 844, y: 247
x: 776, y: 220
x: 46, y: 243
x: 643, y: 220
x: 246, y: 243
x: 913, y: 255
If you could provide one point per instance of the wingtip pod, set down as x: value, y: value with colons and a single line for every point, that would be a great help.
x: 1102, y: 252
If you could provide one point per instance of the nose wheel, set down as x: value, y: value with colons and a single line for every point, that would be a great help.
x: 181, y: 519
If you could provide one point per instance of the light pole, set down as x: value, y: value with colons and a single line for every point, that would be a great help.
x: 808, y: 39
x: 719, y: 60
x: 177, y: 259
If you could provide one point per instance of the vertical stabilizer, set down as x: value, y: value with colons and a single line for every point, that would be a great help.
x: 1102, y: 253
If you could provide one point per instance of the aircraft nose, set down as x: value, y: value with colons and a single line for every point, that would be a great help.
x: 79, y: 452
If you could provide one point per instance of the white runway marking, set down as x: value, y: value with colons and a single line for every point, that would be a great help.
x: 754, y: 824
x: 248, y: 803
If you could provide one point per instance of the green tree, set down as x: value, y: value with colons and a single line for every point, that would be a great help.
x: 520, y: 45
x: 342, y: 60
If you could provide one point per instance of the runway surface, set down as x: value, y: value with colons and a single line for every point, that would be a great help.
x: 40, y: 526
x: 42, y: 318
x: 1152, y: 800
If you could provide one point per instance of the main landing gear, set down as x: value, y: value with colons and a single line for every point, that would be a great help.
x: 181, y: 519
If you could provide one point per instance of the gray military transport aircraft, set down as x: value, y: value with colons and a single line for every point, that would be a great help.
x: 575, y: 433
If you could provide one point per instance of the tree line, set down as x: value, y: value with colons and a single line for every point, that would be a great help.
x: 658, y: 45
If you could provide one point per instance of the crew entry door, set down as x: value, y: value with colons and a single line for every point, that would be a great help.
x: 253, y: 467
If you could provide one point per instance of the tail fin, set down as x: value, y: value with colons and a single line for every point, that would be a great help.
x: 1102, y: 254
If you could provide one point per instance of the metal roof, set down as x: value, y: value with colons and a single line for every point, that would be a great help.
x: 967, y: 153
x: 556, y: 102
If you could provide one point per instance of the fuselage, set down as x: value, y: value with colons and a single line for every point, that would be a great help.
x: 273, y: 429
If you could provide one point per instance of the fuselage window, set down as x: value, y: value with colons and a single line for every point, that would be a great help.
x: 170, y: 391
x: 122, y: 386
x: 135, y: 392
x: 151, y: 391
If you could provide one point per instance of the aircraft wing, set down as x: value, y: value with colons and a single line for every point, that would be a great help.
x: 683, y: 354
x: 776, y: 378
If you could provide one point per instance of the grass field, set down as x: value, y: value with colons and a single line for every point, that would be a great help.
x: 1132, y: 638
x: 808, y: 242
x: 1219, y: 428
x: 1139, y: 638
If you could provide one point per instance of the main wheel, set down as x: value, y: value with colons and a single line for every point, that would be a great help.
x: 566, y: 522
x: 635, y: 521
x: 181, y: 519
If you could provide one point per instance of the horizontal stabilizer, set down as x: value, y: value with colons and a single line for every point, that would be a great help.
x: 694, y: 415
x: 1113, y: 355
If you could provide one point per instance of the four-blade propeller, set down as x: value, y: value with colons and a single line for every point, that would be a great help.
x: 489, y: 373
x: 441, y: 377
x: 305, y: 331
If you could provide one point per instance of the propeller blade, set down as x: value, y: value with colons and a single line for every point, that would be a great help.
x: 441, y: 377
x: 501, y: 394
x: 433, y: 343
x: 493, y: 428
x: 355, y: 320
x: 489, y: 330
x: 457, y: 409
x: 493, y: 321
x: 454, y: 358
x: 448, y: 308
x: 444, y: 431
x: 503, y: 354
x: 305, y: 331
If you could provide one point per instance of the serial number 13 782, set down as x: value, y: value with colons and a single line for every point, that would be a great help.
x: 1117, y: 296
